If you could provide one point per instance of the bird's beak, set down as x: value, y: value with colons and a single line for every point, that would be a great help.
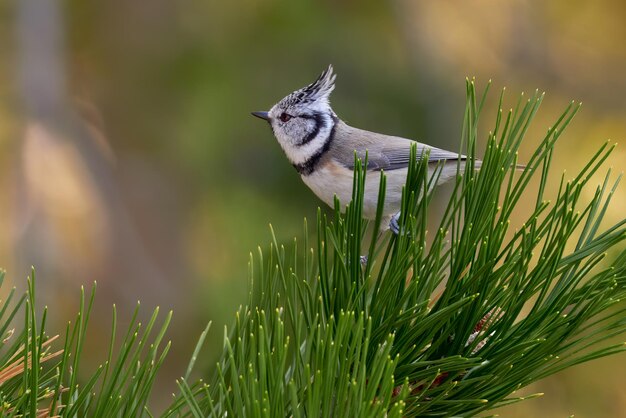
x: 262, y: 115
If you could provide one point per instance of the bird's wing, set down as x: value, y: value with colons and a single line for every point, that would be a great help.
x: 398, y: 157
x: 383, y: 152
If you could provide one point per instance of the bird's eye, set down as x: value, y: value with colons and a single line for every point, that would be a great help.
x: 284, y: 117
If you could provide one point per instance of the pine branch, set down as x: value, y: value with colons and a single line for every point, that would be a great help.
x: 37, y: 379
x: 449, y: 323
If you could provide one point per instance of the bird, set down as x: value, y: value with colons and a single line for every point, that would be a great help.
x: 321, y: 147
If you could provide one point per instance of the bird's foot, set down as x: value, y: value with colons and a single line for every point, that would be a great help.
x: 364, y: 260
x: 394, y: 224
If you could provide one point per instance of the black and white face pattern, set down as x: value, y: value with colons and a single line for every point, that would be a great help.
x: 303, y: 121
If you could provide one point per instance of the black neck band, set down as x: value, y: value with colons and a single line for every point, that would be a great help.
x: 308, y: 166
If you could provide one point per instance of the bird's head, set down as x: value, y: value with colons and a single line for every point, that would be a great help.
x: 303, y: 120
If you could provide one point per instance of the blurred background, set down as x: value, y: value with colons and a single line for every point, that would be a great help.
x: 128, y: 155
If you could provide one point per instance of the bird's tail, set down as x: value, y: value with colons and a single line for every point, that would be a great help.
x: 479, y: 163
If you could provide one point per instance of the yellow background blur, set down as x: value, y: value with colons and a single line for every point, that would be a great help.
x: 128, y: 155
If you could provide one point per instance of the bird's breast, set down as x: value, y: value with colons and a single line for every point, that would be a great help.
x: 332, y: 179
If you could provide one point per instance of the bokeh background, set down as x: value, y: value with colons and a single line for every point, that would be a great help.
x: 128, y: 155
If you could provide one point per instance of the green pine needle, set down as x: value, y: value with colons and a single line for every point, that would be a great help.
x: 450, y: 317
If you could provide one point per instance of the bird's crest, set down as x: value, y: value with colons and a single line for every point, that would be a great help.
x: 320, y: 89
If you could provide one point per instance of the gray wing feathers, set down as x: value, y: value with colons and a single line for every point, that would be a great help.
x: 383, y: 152
x: 398, y: 157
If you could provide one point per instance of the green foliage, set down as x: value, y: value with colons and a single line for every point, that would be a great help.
x: 37, y: 381
x: 449, y: 323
